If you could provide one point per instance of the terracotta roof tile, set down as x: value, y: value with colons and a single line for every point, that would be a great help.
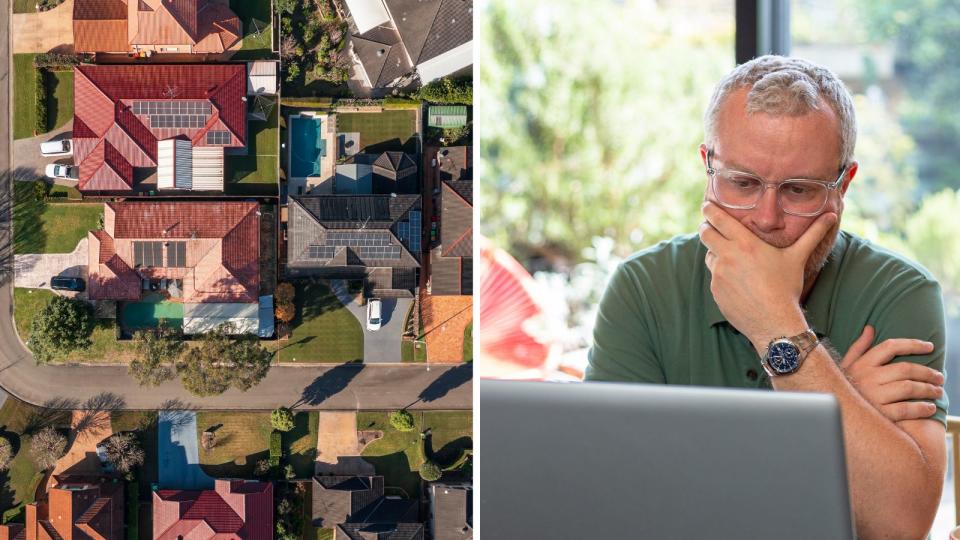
x: 99, y: 9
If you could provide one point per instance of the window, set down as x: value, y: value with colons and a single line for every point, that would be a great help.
x: 147, y: 254
x: 176, y: 254
x: 218, y: 137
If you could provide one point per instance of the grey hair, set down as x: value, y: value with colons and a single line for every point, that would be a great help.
x: 786, y: 86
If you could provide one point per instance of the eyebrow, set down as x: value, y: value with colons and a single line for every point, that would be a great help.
x: 741, y: 168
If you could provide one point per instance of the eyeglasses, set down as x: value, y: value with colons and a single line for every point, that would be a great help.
x: 796, y: 196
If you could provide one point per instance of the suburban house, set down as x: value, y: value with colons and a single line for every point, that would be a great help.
x: 181, y: 26
x: 356, y: 509
x: 451, y: 261
x: 239, y: 509
x: 146, y: 127
x: 376, y: 238
x: 394, y: 41
x: 203, y: 254
x: 77, y: 507
x: 388, y: 172
x: 451, y: 511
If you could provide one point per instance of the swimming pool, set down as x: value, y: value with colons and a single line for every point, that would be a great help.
x: 148, y: 314
x: 307, y: 146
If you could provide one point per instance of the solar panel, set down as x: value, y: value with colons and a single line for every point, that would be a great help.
x: 176, y: 254
x: 415, y: 231
x: 218, y: 137
x: 379, y: 252
x: 358, y: 238
x: 322, y: 252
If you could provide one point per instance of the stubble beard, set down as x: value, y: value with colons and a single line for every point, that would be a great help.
x: 817, y: 259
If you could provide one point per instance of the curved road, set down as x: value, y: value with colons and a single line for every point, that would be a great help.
x: 344, y: 387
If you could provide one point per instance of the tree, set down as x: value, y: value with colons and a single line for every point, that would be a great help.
x: 285, y: 312
x: 124, y: 452
x: 262, y: 468
x: 6, y: 453
x: 220, y: 362
x: 282, y: 419
x: 288, y: 48
x: 288, y: 472
x: 401, y: 420
x: 62, y: 326
x: 430, y: 471
x: 285, y: 6
x: 46, y: 447
x: 158, y: 350
x: 284, y: 293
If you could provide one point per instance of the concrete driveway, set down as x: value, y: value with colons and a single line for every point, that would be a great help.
x: 29, y: 165
x: 383, y: 345
x: 338, y: 450
x: 179, y: 453
x: 34, y: 270
x: 43, y: 32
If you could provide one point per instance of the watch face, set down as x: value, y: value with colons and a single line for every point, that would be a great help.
x: 783, y: 357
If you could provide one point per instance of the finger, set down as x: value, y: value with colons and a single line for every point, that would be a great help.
x: 724, y: 223
x: 710, y: 260
x: 859, y: 347
x: 908, y: 410
x: 891, y: 348
x: 903, y: 371
x: 710, y: 237
x: 906, y: 390
x: 805, y: 245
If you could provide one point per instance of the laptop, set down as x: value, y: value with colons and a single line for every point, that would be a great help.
x: 611, y: 460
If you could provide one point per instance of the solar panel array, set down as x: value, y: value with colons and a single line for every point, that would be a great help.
x: 322, y: 252
x: 177, y: 254
x: 378, y: 252
x: 147, y: 253
x: 409, y: 231
x: 172, y: 107
x: 366, y: 244
x: 358, y: 238
x: 218, y: 137
x: 177, y: 121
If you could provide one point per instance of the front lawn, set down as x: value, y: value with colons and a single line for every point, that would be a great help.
x: 379, y: 132
x: 323, y: 330
x: 24, y: 6
x: 243, y: 438
x: 24, y: 96
x: 397, y: 455
x: 468, y: 343
x: 105, y: 346
x: 256, y: 172
x: 18, y: 484
x: 45, y: 227
x: 255, y: 44
x: 59, y: 98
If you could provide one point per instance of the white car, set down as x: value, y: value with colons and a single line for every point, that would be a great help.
x: 62, y: 147
x: 373, y: 314
x: 68, y: 172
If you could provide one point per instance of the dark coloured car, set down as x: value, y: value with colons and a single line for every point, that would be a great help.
x: 61, y: 283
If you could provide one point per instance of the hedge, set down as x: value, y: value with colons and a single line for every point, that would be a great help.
x: 41, y: 100
x: 133, y: 510
x: 56, y: 61
x: 447, y: 91
x: 394, y: 102
x: 275, y: 442
x: 306, y: 101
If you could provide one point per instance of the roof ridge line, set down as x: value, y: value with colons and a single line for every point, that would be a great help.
x: 462, y: 236
x: 446, y: 184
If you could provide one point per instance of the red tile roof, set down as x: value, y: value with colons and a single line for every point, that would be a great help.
x: 233, y: 509
x: 103, y: 100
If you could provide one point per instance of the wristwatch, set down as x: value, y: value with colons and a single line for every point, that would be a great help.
x: 784, y: 355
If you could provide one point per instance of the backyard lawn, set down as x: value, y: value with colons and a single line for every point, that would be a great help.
x: 322, y: 330
x: 18, y: 484
x: 397, y: 456
x: 379, y: 132
x: 243, y: 438
x: 254, y: 46
x: 256, y: 172
x: 59, y: 103
x: 42, y: 227
x: 105, y: 347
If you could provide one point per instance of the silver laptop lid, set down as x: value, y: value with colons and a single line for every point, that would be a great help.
x: 605, y: 460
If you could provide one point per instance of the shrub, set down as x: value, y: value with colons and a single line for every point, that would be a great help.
x: 124, y: 452
x: 41, y: 189
x: 293, y: 71
x: 285, y: 312
x: 289, y: 473
x: 284, y: 293
x: 6, y: 453
x: 46, y: 447
x: 430, y: 471
x: 448, y: 91
x: 61, y: 326
x: 56, y: 61
x: 262, y: 468
x: 282, y: 419
x: 401, y: 420
x: 41, y: 90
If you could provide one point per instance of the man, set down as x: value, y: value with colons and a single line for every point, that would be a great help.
x: 770, y: 289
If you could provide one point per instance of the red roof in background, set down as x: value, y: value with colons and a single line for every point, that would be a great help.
x: 99, y: 9
x: 237, y: 507
x: 103, y: 95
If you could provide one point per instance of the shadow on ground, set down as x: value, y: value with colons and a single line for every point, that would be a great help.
x: 329, y: 384
x: 443, y: 384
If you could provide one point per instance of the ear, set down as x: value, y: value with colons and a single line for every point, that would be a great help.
x: 703, y: 154
x: 851, y: 172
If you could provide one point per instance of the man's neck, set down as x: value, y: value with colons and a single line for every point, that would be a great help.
x: 808, y: 284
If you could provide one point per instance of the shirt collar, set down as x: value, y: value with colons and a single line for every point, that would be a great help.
x: 817, y: 308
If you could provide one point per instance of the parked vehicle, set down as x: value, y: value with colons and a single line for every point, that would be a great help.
x: 68, y: 172
x: 63, y: 147
x: 63, y: 283
x: 373, y: 314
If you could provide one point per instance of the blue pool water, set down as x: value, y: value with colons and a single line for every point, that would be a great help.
x: 307, y: 147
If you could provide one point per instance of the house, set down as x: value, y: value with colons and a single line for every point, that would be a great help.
x: 395, y: 172
x: 451, y: 261
x: 182, y: 26
x: 451, y: 511
x: 236, y: 509
x: 372, y: 237
x: 393, y: 40
x: 356, y: 509
x: 156, y: 126
x: 198, y: 252
x: 76, y: 507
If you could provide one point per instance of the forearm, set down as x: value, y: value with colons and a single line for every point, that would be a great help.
x: 891, y: 481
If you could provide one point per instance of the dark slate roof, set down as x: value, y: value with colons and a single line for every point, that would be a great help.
x: 452, y: 27
x: 381, y: 531
x: 337, y: 498
x: 456, y: 222
x: 395, y: 172
x: 388, y: 511
x: 455, y: 164
x: 450, y: 276
x: 452, y: 512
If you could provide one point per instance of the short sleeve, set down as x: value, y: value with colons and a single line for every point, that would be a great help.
x: 623, y: 347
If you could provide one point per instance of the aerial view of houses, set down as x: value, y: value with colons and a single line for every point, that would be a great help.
x: 239, y: 269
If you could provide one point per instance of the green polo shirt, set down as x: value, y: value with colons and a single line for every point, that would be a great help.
x: 658, y: 321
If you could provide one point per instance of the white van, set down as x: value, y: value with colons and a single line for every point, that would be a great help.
x: 373, y: 314
x: 63, y: 147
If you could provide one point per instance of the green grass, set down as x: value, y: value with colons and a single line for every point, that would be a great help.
x: 468, y: 343
x: 253, y: 47
x: 397, y: 455
x: 24, y: 6
x: 379, y: 132
x: 64, y: 193
x: 323, y: 330
x: 43, y: 227
x: 243, y: 438
x: 24, y: 95
x: 324, y: 534
x: 59, y: 98
x: 105, y: 347
x: 256, y: 172
x: 410, y: 353
x: 18, y: 484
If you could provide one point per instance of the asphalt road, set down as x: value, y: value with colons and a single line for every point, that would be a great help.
x: 340, y: 387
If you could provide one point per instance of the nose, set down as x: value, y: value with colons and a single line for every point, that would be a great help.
x: 767, y: 216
